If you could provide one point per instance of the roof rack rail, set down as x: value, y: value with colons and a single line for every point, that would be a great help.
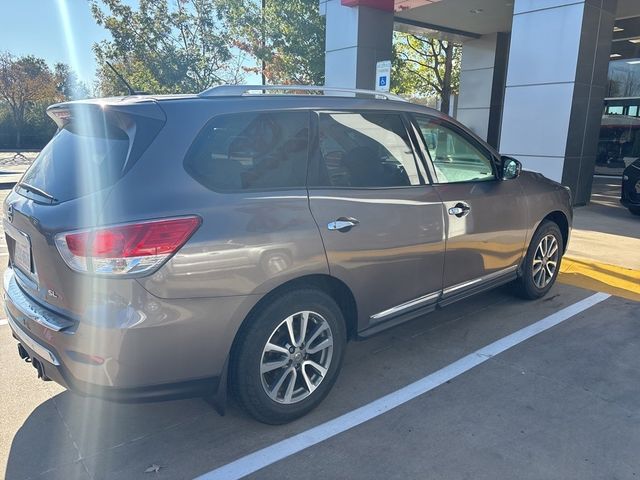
x: 241, y: 90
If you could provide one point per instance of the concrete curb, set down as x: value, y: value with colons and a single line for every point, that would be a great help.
x: 601, y: 277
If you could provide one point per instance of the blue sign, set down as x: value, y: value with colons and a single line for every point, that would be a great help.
x: 383, y: 75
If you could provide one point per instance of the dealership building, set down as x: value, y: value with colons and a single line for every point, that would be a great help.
x: 554, y: 83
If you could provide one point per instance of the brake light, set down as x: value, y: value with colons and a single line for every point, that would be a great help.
x: 132, y: 248
x: 61, y: 116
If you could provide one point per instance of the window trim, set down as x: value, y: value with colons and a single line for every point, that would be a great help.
x: 417, y: 140
x: 315, y: 154
x: 465, y: 135
x: 215, y: 117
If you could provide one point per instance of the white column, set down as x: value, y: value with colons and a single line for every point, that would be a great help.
x: 555, y: 87
x: 356, y: 38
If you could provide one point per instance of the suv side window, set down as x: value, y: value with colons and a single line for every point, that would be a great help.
x: 455, y: 158
x: 364, y: 150
x: 251, y: 151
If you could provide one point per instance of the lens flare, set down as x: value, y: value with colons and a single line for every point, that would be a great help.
x: 91, y: 122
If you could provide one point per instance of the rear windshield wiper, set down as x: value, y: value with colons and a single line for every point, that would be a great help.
x: 37, y: 191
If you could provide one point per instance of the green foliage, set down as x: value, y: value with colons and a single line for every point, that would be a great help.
x: 187, y: 46
x: 420, y: 63
x: 162, y: 47
x: 288, y: 38
x: 68, y: 84
x: 27, y: 87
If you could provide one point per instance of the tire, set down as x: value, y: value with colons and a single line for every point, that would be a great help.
x: 534, y: 283
x: 291, y: 360
x: 634, y: 210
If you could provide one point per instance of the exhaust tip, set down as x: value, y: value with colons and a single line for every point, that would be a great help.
x: 38, y: 366
x: 23, y: 353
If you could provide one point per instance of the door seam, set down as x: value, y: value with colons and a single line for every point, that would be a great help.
x: 324, y: 247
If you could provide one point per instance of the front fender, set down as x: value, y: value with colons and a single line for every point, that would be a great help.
x: 546, y: 199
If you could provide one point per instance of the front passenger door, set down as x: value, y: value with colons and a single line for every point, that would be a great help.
x: 485, y: 217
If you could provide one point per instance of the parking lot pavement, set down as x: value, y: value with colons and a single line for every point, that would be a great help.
x: 550, y: 408
x: 13, y: 165
x: 605, y: 231
x: 602, y: 254
x: 563, y: 404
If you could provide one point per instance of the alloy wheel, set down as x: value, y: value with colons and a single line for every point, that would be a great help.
x: 296, y: 358
x: 545, y: 261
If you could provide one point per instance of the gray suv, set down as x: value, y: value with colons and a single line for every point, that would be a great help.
x: 169, y: 246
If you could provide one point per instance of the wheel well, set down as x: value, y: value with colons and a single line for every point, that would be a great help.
x: 560, y: 219
x: 337, y: 289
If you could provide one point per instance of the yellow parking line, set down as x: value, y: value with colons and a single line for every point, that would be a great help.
x: 601, y: 277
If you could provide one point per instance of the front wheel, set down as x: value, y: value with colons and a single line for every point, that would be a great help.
x: 288, y: 356
x: 542, y: 263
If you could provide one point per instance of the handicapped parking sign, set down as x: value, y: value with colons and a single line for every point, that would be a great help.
x: 383, y: 75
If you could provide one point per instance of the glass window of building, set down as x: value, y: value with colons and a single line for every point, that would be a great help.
x: 619, y: 142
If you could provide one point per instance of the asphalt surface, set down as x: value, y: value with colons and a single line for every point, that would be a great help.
x: 564, y: 404
x: 605, y: 231
x: 605, y: 241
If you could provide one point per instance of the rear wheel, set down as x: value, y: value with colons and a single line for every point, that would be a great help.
x: 288, y: 356
x: 634, y: 210
x: 542, y: 262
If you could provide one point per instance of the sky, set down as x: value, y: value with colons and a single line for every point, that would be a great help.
x: 37, y: 27
x: 58, y: 31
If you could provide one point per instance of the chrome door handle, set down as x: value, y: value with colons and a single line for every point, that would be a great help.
x: 343, y: 224
x: 460, y: 210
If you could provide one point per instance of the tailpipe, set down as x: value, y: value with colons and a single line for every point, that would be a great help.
x: 38, y: 366
x: 23, y: 353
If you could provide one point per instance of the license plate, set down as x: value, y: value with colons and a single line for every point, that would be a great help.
x: 22, y: 254
x: 22, y: 249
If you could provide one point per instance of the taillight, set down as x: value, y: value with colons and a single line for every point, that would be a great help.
x: 131, y: 248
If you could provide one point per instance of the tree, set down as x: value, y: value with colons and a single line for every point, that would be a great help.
x: 162, y: 48
x: 425, y: 66
x: 68, y: 84
x: 24, y: 82
x: 287, y: 38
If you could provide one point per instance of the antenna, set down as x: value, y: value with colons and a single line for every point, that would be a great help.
x: 129, y: 87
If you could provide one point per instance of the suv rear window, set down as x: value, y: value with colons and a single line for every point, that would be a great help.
x: 74, y: 164
x: 251, y: 151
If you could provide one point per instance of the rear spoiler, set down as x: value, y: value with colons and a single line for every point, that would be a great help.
x: 63, y: 113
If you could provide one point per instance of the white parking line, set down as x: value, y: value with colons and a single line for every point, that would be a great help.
x: 262, y: 458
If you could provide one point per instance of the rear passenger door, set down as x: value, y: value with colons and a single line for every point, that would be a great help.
x: 380, y: 220
x: 257, y: 230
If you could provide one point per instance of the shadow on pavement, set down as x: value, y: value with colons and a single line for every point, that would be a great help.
x: 69, y: 436
x: 604, y: 213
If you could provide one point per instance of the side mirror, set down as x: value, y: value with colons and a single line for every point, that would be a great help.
x: 511, y: 168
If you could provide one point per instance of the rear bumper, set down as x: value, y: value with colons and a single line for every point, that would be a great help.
x: 161, y: 357
x: 53, y: 370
